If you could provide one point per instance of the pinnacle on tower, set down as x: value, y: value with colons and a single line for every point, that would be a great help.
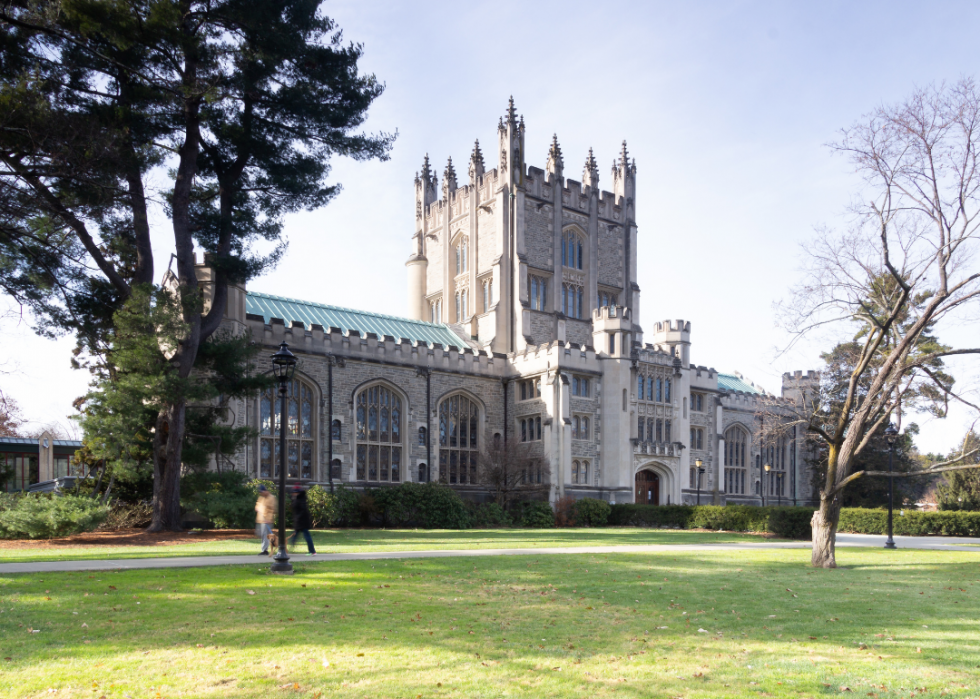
x: 477, y: 167
x: 511, y: 112
x: 555, y: 161
x: 624, y: 158
x: 449, y: 180
x: 426, y: 170
x: 590, y: 173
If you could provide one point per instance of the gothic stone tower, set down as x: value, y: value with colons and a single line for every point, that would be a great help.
x: 521, y: 256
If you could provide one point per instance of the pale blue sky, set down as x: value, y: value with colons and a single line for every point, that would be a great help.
x: 726, y: 106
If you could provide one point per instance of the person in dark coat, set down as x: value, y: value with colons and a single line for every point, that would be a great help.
x: 301, y: 519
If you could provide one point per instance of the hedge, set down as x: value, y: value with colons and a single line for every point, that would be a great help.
x: 910, y: 523
x: 788, y: 522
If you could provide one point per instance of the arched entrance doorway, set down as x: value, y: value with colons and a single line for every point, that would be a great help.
x: 647, y: 488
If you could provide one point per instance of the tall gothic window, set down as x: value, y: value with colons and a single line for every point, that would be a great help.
x: 571, y: 300
x: 459, y: 419
x: 667, y: 391
x: 300, y: 417
x: 379, y: 435
x: 539, y: 293
x: 580, y: 473
x: 736, y: 442
x: 571, y: 250
x: 461, y: 256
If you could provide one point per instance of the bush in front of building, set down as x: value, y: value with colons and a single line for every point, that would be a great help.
x: 426, y: 505
x: 225, y: 499
x: 592, y: 512
x: 788, y: 522
x: 536, y: 514
x: 487, y: 515
x: 46, y: 516
x: 791, y: 522
x: 661, y: 516
x: 907, y: 523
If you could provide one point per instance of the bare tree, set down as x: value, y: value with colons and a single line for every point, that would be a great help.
x: 512, y: 471
x: 903, y: 272
x: 11, y: 417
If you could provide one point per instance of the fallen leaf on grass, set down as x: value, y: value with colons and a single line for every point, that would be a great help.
x: 845, y: 689
x: 251, y: 592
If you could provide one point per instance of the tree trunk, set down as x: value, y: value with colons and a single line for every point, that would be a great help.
x: 168, y: 446
x: 824, y: 525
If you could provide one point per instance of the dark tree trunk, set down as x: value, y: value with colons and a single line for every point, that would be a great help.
x: 168, y: 445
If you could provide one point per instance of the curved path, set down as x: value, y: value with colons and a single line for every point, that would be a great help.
x: 933, y: 543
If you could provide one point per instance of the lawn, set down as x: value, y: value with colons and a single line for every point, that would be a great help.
x: 666, y: 624
x: 363, y: 540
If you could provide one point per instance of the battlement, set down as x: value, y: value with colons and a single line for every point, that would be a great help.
x: 355, y: 345
x: 610, y: 312
x: 678, y: 326
x: 799, y: 375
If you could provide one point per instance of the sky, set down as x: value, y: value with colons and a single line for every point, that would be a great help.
x: 727, y: 107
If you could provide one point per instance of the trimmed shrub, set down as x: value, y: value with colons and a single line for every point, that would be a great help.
x: 426, y: 505
x: 910, y: 523
x: 791, y: 522
x: 662, y: 516
x: 347, y: 507
x: 536, y: 514
x: 591, y: 512
x: 488, y: 514
x: 46, y: 516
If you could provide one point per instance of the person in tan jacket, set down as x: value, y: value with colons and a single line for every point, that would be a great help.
x: 265, y: 515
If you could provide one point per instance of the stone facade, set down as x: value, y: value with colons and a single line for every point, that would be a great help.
x: 535, y: 275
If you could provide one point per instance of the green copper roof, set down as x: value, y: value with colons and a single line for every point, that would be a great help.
x: 308, y: 313
x: 729, y: 382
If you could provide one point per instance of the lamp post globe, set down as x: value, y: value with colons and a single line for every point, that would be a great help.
x: 891, y: 436
x: 283, y: 366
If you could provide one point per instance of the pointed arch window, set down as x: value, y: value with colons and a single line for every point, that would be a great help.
x: 378, y: 417
x: 459, y: 419
x: 736, y: 444
x: 300, y: 431
x: 461, y: 263
x: 571, y: 250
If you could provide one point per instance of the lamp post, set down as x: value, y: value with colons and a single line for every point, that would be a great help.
x: 699, y: 465
x: 891, y: 436
x: 284, y: 366
x: 765, y: 470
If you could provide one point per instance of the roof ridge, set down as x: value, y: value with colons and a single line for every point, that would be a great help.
x: 346, y: 309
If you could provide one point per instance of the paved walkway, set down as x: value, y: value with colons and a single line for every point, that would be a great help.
x: 935, y: 543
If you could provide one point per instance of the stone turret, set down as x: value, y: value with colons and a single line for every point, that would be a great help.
x: 425, y: 194
x: 674, y: 338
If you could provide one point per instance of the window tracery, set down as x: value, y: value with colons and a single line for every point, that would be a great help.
x: 300, y: 431
x: 736, y: 441
x: 459, y: 419
x: 379, y: 435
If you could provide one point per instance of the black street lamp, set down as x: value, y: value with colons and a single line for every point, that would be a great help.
x: 699, y: 470
x: 765, y: 470
x: 891, y: 436
x: 699, y: 465
x: 284, y: 366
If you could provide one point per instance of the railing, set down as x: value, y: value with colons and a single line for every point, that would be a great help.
x: 655, y: 448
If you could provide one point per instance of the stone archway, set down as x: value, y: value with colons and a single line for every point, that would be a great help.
x: 647, y: 487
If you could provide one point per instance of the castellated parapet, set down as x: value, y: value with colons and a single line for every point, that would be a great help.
x: 797, y: 385
x: 674, y: 338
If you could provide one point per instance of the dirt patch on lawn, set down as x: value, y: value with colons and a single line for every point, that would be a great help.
x: 130, y: 537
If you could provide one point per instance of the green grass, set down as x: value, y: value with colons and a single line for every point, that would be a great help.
x: 887, y: 624
x: 354, y: 540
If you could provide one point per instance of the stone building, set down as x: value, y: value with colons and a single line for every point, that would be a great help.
x: 523, y: 302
